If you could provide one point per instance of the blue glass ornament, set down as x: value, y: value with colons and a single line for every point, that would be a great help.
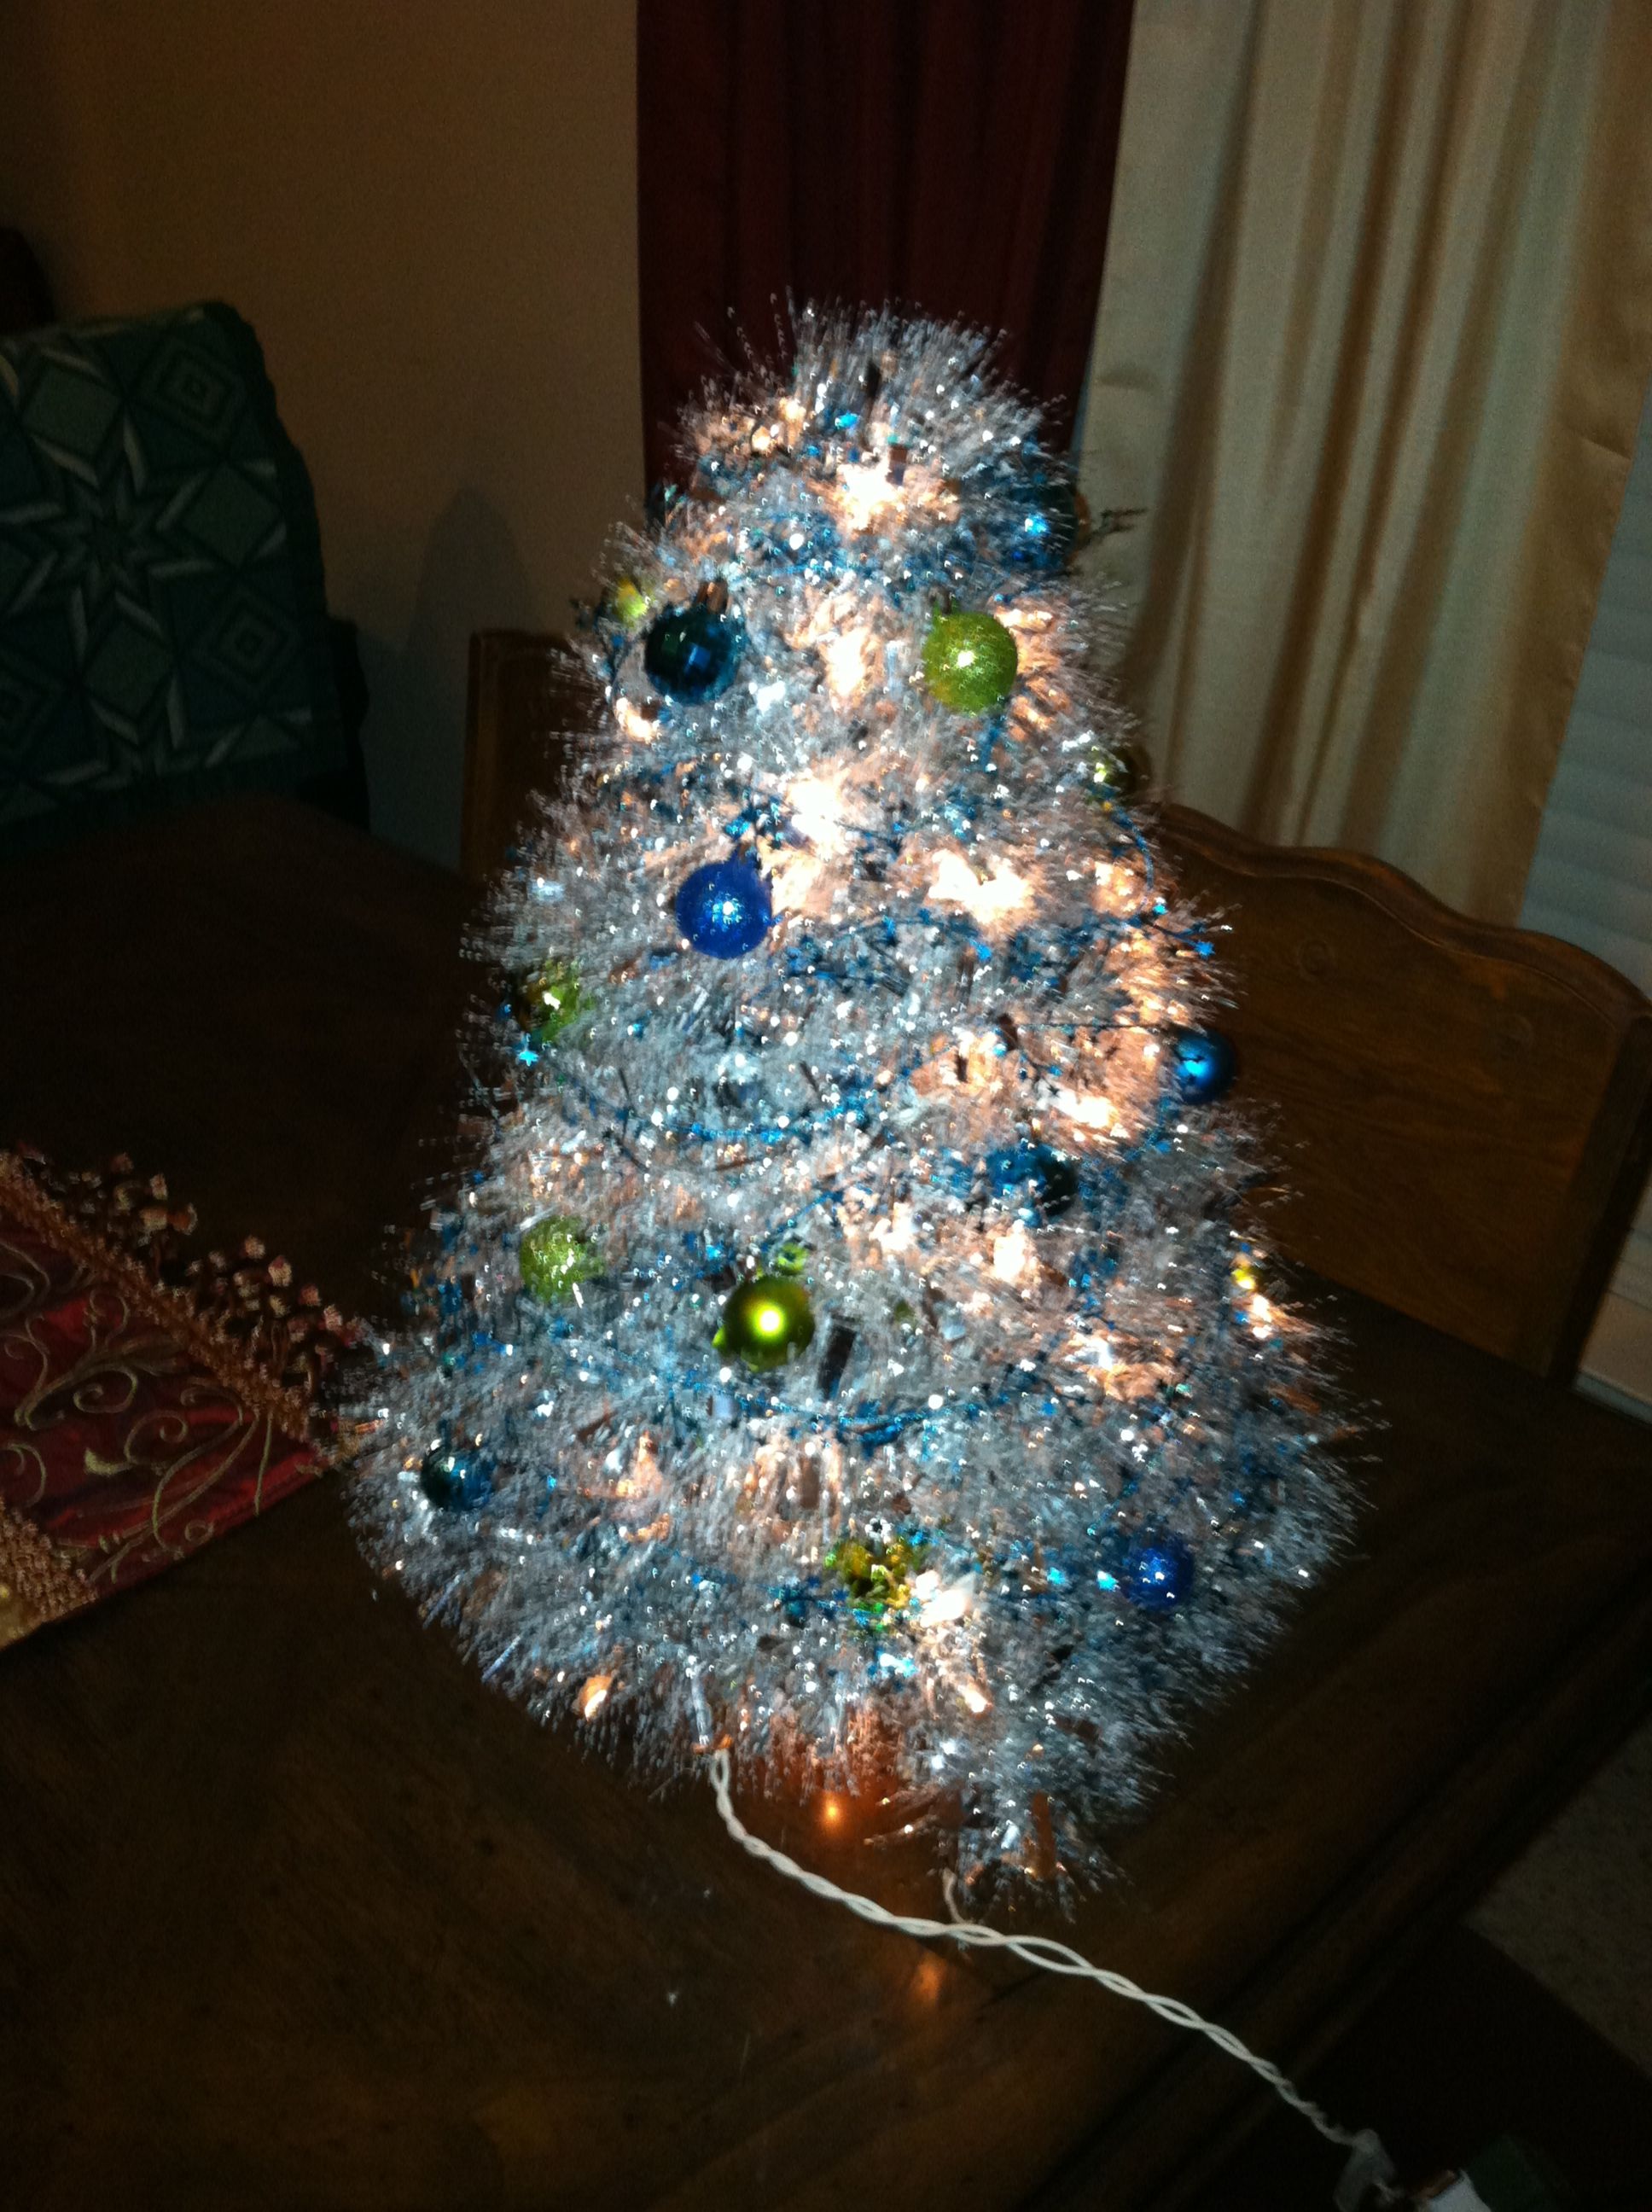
x: 1044, y: 1182
x: 724, y: 908
x: 458, y: 1477
x: 692, y: 652
x: 1203, y: 1064
x: 1156, y: 1573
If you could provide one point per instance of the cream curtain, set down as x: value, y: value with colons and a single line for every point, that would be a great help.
x: 1376, y: 327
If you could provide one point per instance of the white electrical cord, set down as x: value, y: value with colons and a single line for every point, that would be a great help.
x: 1053, y: 1957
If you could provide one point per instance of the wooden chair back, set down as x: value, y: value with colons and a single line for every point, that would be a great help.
x: 1461, y: 1113
x: 529, y: 699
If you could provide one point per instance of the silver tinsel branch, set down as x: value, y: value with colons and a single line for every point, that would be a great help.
x: 1029, y: 1457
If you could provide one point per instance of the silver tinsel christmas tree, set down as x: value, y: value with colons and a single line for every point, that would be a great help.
x: 843, y: 1351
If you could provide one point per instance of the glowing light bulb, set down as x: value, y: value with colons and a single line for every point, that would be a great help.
x: 813, y: 804
x: 1013, y: 1258
x: 1086, y: 1110
x: 863, y: 494
x: 844, y: 656
x: 939, y: 1603
x: 899, y: 1232
x: 954, y: 882
x: 975, y: 1697
x: 593, y: 1696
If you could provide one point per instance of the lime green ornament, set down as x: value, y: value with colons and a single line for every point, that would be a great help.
x: 969, y: 661
x: 556, y: 1252
x: 789, y: 1257
x: 876, y: 1576
x: 545, y: 1002
x: 628, y: 603
x: 765, y: 1322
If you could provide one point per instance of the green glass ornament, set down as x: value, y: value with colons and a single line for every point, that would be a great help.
x: 1115, y: 775
x: 969, y: 661
x: 876, y: 1576
x: 545, y: 1002
x: 628, y: 604
x: 765, y: 1321
x: 789, y: 1257
x: 556, y: 1253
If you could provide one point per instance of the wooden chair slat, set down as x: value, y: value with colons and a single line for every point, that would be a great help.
x: 529, y: 700
x: 1461, y: 1111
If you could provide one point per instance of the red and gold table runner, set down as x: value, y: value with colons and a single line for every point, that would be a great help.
x: 148, y: 1402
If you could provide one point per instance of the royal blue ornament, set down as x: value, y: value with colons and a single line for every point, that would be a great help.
x: 692, y: 652
x: 1203, y: 1064
x: 1042, y: 1182
x: 1156, y: 1573
x: 458, y: 1477
x: 725, y: 909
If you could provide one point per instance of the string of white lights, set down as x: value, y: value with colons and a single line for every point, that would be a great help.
x: 1043, y: 1951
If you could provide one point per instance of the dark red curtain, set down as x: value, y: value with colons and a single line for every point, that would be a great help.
x: 954, y: 156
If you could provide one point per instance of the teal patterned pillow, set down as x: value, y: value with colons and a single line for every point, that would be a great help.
x: 162, y: 613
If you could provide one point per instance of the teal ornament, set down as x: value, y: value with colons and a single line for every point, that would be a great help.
x: 1203, y: 1064
x: 556, y: 1252
x: 692, y: 652
x: 1040, y: 1182
x: 459, y: 1478
x: 766, y: 1321
x: 1048, y: 522
x: 969, y: 661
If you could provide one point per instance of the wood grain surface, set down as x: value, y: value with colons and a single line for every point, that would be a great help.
x: 294, y: 1912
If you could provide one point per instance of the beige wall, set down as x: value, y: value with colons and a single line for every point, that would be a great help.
x: 427, y: 209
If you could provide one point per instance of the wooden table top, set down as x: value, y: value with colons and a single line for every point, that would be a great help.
x: 294, y: 1911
